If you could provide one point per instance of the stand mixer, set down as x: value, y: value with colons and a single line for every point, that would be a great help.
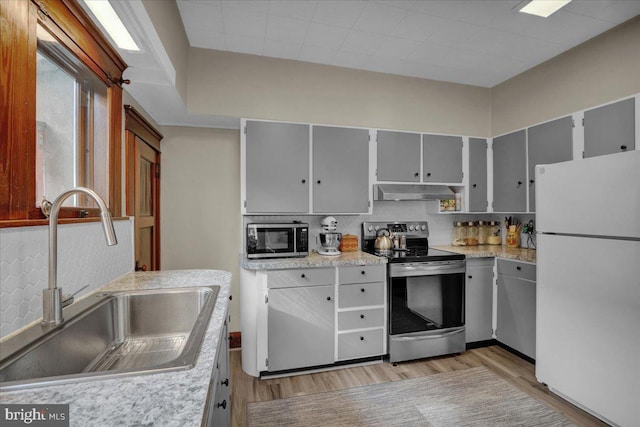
x: 329, y: 237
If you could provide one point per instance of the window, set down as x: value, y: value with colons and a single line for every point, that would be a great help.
x: 61, y: 123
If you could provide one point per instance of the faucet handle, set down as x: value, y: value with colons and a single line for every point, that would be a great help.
x: 68, y: 299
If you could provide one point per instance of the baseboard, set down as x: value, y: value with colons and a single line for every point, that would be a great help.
x: 517, y: 353
x: 235, y: 339
x: 480, y: 344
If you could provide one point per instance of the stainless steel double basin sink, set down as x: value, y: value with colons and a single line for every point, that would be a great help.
x: 111, y: 334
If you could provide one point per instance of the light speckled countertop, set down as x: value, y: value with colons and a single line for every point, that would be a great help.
x: 313, y: 260
x: 166, y: 399
x: 487, y: 251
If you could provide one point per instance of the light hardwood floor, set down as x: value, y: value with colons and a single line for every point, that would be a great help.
x: 519, y: 372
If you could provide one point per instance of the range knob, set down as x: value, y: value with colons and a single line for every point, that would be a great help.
x: 370, y: 228
x: 423, y: 227
x: 411, y: 227
x: 377, y: 227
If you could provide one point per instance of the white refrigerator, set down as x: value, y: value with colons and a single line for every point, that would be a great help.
x: 588, y: 284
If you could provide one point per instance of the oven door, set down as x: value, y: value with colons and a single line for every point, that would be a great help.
x: 426, y: 309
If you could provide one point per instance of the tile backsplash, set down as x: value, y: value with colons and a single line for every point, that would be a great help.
x: 83, y: 259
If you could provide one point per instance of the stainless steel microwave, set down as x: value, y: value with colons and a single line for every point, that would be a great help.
x: 277, y: 240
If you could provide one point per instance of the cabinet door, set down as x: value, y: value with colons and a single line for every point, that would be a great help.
x: 479, y: 300
x: 340, y: 170
x: 277, y: 167
x: 442, y: 158
x: 477, y: 175
x: 548, y: 143
x: 219, y: 404
x: 509, y: 171
x: 300, y: 327
x: 610, y: 129
x: 517, y: 314
x: 398, y: 156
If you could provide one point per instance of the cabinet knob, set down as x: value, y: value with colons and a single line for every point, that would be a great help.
x: 303, y: 276
x: 362, y: 316
x: 225, y: 382
x: 328, y: 298
x: 428, y: 173
x: 531, y: 181
x: 518, y: 268
x: 361, y: 338
x: 363, y: 272
x: 519, y: 183
x: 470, y: 277
x: 361, y: 289
x: 223, y: 404
x: 623, y: 147
x: 304, y: 181
x: 474, y: 185
x: 319, y: 181
x: 416, y: 174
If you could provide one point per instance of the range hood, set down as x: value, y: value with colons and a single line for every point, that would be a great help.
x: 412, y: 192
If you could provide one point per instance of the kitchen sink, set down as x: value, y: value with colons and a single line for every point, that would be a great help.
x: 111, y: 334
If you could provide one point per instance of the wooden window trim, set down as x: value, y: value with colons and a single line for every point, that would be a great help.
x: 68, y: 23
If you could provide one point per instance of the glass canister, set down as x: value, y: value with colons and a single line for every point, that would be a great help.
x: 458, y: 234
x: 472, y: 234
x: 493, y: 236
x: 483, y: 232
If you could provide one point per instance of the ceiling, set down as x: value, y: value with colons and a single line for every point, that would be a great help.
x: 476, y: 42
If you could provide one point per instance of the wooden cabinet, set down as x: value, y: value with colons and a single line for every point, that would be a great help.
x: 340, y: 170
x: 610, y: 129
x: 442, y: 158
x: 300, y: 327
x: 398, y: 156
x: 517, y: 306
x: 477, y: 200
x: 361, y: 312
x: 277, y: 167
x: 509, y: 173
x: 547, y: 143
x: 479, y: 299
x: 218, y: 407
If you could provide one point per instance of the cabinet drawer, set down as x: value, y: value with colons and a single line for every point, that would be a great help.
x: 300, y: 277
x: 353, y: 345
x: 361, y: 274
x: 360, y: 319
x: 519, y: 269
x: 361, y: 294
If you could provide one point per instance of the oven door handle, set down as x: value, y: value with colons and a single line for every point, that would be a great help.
x: 425, y: 270
x: 429, y: 337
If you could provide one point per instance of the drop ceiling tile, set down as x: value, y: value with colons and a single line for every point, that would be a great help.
x: 361, y: 42
x: 338, y: 13
x: 614, y: 11
x: 321, y: 55
x: 379, y: 18
x: 207, y: 39
x: 282, y: 49
x: 246, y: 24
x: 286, y: 29
x: 242, y: 44
x: 302, y: 10
x: 257, y: 7
x: 396, y: 48
x: 428, y: 53
x: 414, y: 26
x: 201, y: 14
x: 348, y: 59
x: 450, y: 32
x: 325, y: 35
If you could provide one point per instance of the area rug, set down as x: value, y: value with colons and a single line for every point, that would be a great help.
x: 471, y: 397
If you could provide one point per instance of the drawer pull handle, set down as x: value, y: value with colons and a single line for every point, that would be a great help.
x: 223, y: 404
x: 328, y: 298
x: 362, y: 290
x: 303, y: 276
x: 623, y: 147
x: 225, y: 382
x: 362, y: 316
x: 518, y: 268
x: 361, y: 338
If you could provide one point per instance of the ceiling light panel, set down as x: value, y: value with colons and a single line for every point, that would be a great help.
x: 544, y: 8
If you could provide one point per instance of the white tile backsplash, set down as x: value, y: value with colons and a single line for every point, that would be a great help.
x: 83, y: 259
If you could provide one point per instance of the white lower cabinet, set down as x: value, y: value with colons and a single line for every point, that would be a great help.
x: 517, y: 306
x: 479, y: 299
x: 218, y: 407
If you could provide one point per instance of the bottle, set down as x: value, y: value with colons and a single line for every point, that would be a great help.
x: 483, y: 232
x: 458, y: 201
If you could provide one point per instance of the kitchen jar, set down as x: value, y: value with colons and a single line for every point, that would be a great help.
x: 483, y: 232
x: 513, y: 237
x: 472, y: 234
x: 458, y: 234
x: 493, y: 235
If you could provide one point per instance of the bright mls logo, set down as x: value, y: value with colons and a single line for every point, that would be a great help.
x: 34, y: 415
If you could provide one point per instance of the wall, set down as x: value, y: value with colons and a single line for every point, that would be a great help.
x: 83, y: 259
x: 241, y: 85
x: 598, y: 71
x: 200, y: 203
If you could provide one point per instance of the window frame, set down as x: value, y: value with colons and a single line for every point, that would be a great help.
x: 72, y: 27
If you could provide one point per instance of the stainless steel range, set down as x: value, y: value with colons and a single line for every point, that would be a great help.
x: 426, y: 292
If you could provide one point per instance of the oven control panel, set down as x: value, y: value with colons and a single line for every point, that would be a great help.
x: 407, y: 228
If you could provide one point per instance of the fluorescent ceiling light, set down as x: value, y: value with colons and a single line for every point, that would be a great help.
x: 543, y: 8
x: 111, y: 22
